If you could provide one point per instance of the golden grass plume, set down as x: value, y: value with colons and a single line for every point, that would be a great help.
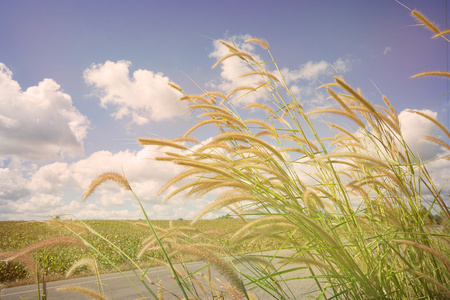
x: 262, y: 106
x: 356, y: 95
x: 233, y: 292
x: 83, y: 262
x: 442, y: 33
x: 425, y: 21
x: 241, y: 135
x: 240, y: 54
x: 344, y: 113
x: 29, y: 263
x: 240, y: 88
x: 429, y: 250
x: 258, y: 41
x: 439, y: 285
x: 175, y: 86
x: 437, y: 141
x: 109, y: 176
x: 435, y: 122
x: 159, y: 142
x: 218, y: 263
x: 82, y: 290
x: 262, y: 73
x: 432, y: 73
x: 58, y: 241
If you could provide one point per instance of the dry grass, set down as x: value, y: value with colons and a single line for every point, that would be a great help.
x: 353, y: 207
x: 370, y: 165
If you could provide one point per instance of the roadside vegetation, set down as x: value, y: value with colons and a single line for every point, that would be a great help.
x: 54, y: 262
x: 353, y: 207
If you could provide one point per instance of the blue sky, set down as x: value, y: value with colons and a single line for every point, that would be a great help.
x: 81, y: 80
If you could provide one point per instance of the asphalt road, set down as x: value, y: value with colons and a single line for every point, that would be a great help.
x: 117, y: 287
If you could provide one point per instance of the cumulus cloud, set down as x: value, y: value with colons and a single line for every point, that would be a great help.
x: 57, y: 188
x: 414, y: 127
x: 39, y: 123
x: 233, y: 67
x: 302, y: 81
x: 145, y: 175
x: 12, y: 184
x: 313, y: 70
x: 142, y: 97
x: 440, y: 172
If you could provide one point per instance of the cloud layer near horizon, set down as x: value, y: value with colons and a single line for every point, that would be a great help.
x: 57, y: 188
x: 46, y: 192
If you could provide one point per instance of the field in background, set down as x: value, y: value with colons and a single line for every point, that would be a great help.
x: 54, y: 262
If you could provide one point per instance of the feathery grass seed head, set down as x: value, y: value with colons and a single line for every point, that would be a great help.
x: 429, y: 250
x: 58, y: 241
x: 220, y: 265
x: 240, y: 54
x: 435, y: 122
x: 263, y: 74
x: 81, y: 290
x: 260, y: 42
x: 83, y: 262
x: 159, y: 142
x: 422, y: 19
x: 432, y: 73
x: 175, y: 86
x: 109, y: 176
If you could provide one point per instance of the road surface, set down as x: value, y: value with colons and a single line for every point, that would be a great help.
x: 116, y: 287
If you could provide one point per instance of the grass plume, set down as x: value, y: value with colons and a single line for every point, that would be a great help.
x: 109, y: 176
x: 58, y: 241
x: 82, y: 290
x: 258, y: 41
x: 352, y: 205
x: 425, y: 21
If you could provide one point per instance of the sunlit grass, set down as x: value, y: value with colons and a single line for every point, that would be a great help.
x: 127, y: 235
x: 353, y: 206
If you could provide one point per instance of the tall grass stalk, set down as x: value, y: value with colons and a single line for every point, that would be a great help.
x: 358, y: 217
x: 352, y: 209
x: 171, y: 246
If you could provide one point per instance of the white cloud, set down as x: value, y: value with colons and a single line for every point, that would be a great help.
x: 94, y: 211
x: 51, y: 179
x: 414, y: 127
x: 440, y: 172
x: 143, y: 97
x: 386, y: 50
x: 57, y: 188
x: 233, y: 67
x: 313, y: 70
x: 39, y: 123
x: 40, y: 203
x: 145, y: 175
x: 12, y: 184
x: 302, y: 81
x: 308, y: 71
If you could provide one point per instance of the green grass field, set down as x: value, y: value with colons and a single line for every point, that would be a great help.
x: 55, y: 261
